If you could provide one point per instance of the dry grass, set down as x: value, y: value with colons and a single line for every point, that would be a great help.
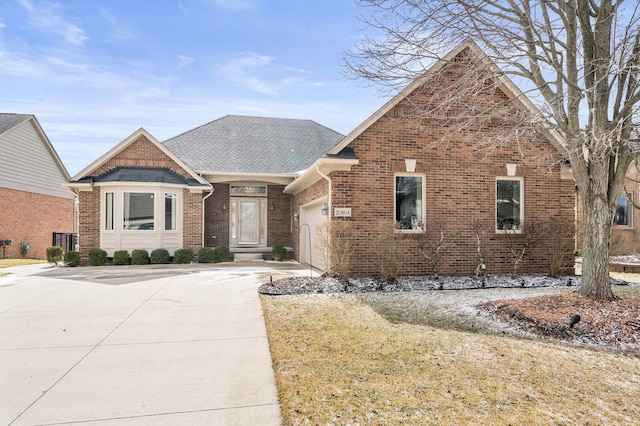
x: 5, y: 263
x: 338, y: 362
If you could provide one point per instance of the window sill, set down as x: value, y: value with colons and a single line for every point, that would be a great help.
x: 409, y: 231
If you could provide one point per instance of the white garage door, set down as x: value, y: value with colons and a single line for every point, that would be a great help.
x: 310, y: 242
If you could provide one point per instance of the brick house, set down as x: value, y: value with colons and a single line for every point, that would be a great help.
x: 219, y: 184
x: 251, y: 183
x: 34, y: 206
x: 625, y: 234
x: 395, y: 173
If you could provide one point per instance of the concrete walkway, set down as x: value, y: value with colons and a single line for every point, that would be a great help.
x: 136, y: 345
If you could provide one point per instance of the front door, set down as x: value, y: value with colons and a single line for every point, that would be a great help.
x: 248, y: 221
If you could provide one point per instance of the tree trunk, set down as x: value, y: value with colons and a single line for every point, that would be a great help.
x: 597, y: 221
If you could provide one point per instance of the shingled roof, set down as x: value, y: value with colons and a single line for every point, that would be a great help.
x: 132, y: 174
x: 235, y: 144
x: 8, y: 121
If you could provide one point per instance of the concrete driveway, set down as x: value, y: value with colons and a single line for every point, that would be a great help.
x: 137, y: 345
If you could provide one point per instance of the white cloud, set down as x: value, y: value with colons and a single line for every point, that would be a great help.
x: 235, y: 4
x: 47, y: 17
x: 118, y: 29
x: 184, y: 61
x: 258, y: 73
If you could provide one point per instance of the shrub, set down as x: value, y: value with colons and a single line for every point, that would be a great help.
x: 183, y: 256
x: 160, y: 256
x: 521, y: 244
x: 139, y: 257
x: 97, y: 257
x: 121, y: 257
x: 220, y: 254
x: 72, y: 258
x: 54, y: 255
x: 278, y: 253
x: 337, y: 244
x: 434, y: 244
x: 388, y: 251
x: 561, y: 237
x: 205, y: 255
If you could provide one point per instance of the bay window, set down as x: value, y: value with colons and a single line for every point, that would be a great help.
x: 170, y: 217
x: 138, y: 212
x: 108, y: 211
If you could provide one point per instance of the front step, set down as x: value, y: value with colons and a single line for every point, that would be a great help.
x: 237, y: 257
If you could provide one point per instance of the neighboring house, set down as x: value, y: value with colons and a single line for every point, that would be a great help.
x: 625, y: 235
x: 35, y: 208
x: 252, y: 183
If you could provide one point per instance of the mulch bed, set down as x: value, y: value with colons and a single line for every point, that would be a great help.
x: 614, y: 323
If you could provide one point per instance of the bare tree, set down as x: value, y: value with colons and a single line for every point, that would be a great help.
x: 578, y: 60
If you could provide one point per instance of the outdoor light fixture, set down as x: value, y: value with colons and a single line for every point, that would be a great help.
x: 325, y: 209
x: 296, y: 216
x: 224, y: 206
x: 272, y: 207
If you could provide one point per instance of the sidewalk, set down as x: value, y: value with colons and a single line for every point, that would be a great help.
x: 137, y: 345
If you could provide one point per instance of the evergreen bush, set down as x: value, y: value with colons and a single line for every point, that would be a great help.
x: 121, y: 257
x: 183, y: 256
x: 139, y: 257
x: 97, y: 257
x: 160, y: 256
x: 72, y: 258
x: 54, y: 254
x: 220, y: 254
x: 205, y: 255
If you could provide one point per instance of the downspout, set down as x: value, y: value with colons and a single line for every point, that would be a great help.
x: 203, y: 216
x: 330, y: 191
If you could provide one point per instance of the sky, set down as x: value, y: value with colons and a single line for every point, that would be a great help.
x: 95, y: 71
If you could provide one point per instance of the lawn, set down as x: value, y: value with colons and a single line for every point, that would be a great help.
x: 5, y: 263
x: 339, y: 361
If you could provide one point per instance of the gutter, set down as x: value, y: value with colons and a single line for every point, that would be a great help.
x: 204, y: 199
x: 330, y: 191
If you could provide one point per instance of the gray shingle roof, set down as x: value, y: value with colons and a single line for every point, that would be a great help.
x: 131, y: 174
x: 244, y: 144
x: 8, y: 120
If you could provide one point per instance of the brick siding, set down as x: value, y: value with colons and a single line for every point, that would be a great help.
x: 217, y: 217
x: 278, y: 220
x: 460, y: 182
x: 30, y: 217
x: 141, y: 153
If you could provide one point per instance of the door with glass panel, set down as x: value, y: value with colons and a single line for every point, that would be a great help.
x: 248, y: 221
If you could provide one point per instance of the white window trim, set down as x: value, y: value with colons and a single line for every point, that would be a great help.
x: 158, y: 213
x: 424, y: 201
x: 495, y: 204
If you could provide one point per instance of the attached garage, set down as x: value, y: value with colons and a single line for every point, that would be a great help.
x: 311, y: 220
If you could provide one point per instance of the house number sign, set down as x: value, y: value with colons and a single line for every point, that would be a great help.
x: 342, y: 212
